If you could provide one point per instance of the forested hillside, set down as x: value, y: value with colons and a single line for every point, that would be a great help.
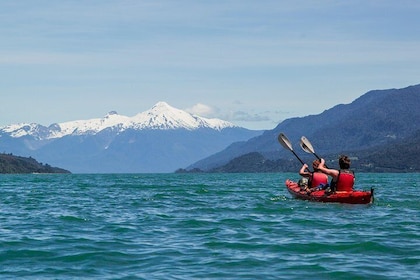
x: 16, y: 164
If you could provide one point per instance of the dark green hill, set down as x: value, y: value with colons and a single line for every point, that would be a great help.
x: 16, y: 164
x: 255, y: 163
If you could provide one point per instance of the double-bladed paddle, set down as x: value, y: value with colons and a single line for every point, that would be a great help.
x: 285, y: 142
x: 307, y: 147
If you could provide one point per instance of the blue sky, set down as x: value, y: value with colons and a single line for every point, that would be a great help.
x: 254, y: 63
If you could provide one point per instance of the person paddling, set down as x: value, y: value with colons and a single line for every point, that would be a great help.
x: 343, y: 179
x: 316, y: 178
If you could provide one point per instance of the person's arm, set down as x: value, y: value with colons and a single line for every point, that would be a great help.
x: 331, y: 172
x: 304, y: 171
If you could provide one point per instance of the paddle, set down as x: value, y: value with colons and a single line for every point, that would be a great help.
x: 284, y: 141
x: 307, y: 147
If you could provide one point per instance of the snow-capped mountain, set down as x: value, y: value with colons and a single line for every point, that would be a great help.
x: 160, y: 139
x: 161, y: 116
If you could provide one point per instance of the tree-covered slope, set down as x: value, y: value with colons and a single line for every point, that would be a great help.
x: 16, y: 164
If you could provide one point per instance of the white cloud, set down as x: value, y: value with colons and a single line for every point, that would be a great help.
x: 202, y: 110
x: 244, y: 116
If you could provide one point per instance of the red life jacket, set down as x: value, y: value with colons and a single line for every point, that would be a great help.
x: 317, y: 179
x: 345, y: 181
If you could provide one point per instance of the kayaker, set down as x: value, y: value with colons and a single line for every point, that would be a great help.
x: 343, y: 179
x: 316, y: 178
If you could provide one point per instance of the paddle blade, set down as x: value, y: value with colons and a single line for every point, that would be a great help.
x: 305, y: 148
x: 284, y: 141
x: 306, y: 145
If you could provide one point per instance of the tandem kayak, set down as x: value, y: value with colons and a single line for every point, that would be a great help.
x: 353, y: 197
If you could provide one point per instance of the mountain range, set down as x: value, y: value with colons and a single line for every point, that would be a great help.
x: 370, y: 129
x: 379, y: 130
x: 158, y: 140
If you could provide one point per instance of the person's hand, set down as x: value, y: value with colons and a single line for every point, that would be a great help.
x: 321, y: 164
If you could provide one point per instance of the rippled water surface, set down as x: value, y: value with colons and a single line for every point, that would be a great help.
x: 203, y: 226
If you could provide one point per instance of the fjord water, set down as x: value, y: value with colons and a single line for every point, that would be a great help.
x: 203, y: 226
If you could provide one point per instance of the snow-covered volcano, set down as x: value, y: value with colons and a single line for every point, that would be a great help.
x: 163, y: 116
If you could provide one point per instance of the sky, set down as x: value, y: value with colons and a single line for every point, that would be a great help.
x: 253, y: 63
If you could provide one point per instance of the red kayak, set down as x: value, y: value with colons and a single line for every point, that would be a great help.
x: 353, y: 197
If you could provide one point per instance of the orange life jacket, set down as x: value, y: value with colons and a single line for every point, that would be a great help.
x: 317, y: 179
x: 345, y: 181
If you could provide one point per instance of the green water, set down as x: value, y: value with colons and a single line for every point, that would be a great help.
x: 203, y: 226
